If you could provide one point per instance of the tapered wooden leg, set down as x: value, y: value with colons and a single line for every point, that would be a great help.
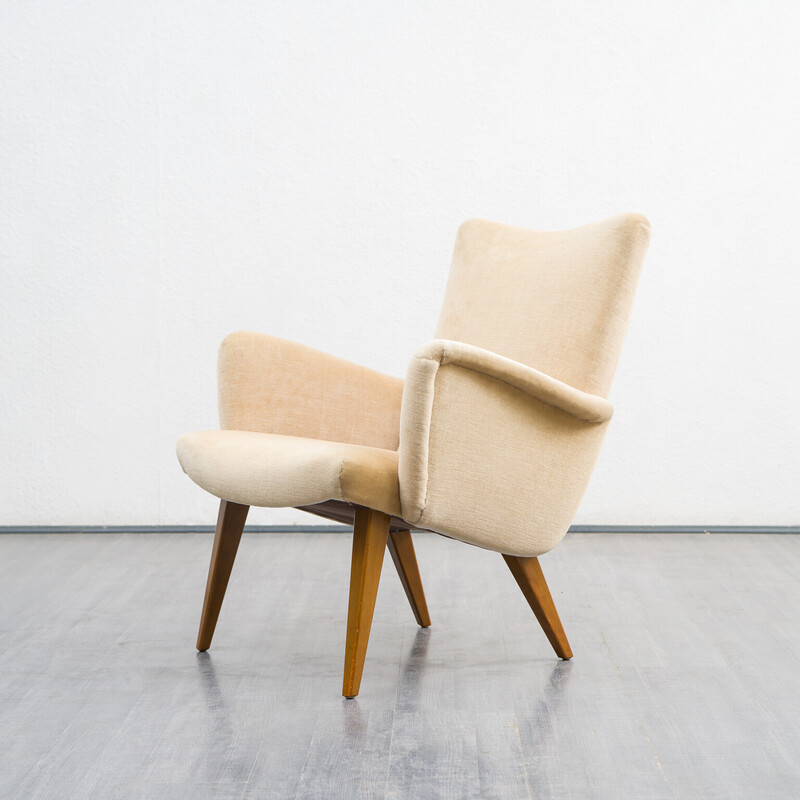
x: 401, y: 548
x: 528, y: 574
x: 370, y: 530
x: 230, y: 524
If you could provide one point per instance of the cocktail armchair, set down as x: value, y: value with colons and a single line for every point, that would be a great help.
x: 491, y: 439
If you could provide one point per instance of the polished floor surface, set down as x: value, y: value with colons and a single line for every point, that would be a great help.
x: 685, y: 681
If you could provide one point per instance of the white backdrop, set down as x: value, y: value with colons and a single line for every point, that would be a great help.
x: 174, y: 171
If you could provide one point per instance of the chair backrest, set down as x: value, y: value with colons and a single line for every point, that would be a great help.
x: 556, y: 301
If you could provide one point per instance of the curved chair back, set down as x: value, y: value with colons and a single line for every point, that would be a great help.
x: 556, y: 301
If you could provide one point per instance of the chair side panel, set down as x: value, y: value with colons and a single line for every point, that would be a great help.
x: 505, y: 471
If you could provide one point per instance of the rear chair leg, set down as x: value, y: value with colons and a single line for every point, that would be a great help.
x: 370, y: 531
x: 528, y: 574
x: 401, y: 548
x: 230, y: 524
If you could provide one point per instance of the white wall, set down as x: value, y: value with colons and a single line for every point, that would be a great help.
x: 174, y: 171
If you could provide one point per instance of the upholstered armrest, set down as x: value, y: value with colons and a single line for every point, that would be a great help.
x: 493, y: 450
x: 272, y: 385
x: 549, y: 390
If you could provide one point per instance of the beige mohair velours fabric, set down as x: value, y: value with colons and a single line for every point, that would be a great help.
x: 495, y: 452
x: 580, y: 404
x: 493, y: 435
x: 489, y: 463
x: 557, y: 301
x: 272, y: 385
x: 263, y: 469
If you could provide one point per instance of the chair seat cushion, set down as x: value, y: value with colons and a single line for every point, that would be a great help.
x: 265, y: 469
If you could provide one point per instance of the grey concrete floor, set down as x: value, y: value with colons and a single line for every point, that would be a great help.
x: 685, y: 681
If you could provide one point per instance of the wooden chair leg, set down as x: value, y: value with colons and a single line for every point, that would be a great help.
x: 528, y: 574
x: 370, y: 531
x: 230, y: 524
x: 401, y: 548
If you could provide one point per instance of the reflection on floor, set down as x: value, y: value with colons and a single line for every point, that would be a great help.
x: 685, y: 681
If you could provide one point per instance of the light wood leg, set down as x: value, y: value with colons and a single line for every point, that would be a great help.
x: 401, y: 548
x: 370, y: 531
x: 230, y: 524
x: 529, y: 576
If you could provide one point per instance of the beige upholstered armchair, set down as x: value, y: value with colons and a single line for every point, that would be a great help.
x: 491, y: 439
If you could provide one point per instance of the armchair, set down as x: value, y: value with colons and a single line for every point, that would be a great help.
x: 491, y: 439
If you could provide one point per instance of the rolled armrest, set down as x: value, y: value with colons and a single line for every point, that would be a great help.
x: 271, y: 385
x: 492, y: 451
x: 588, y: 407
